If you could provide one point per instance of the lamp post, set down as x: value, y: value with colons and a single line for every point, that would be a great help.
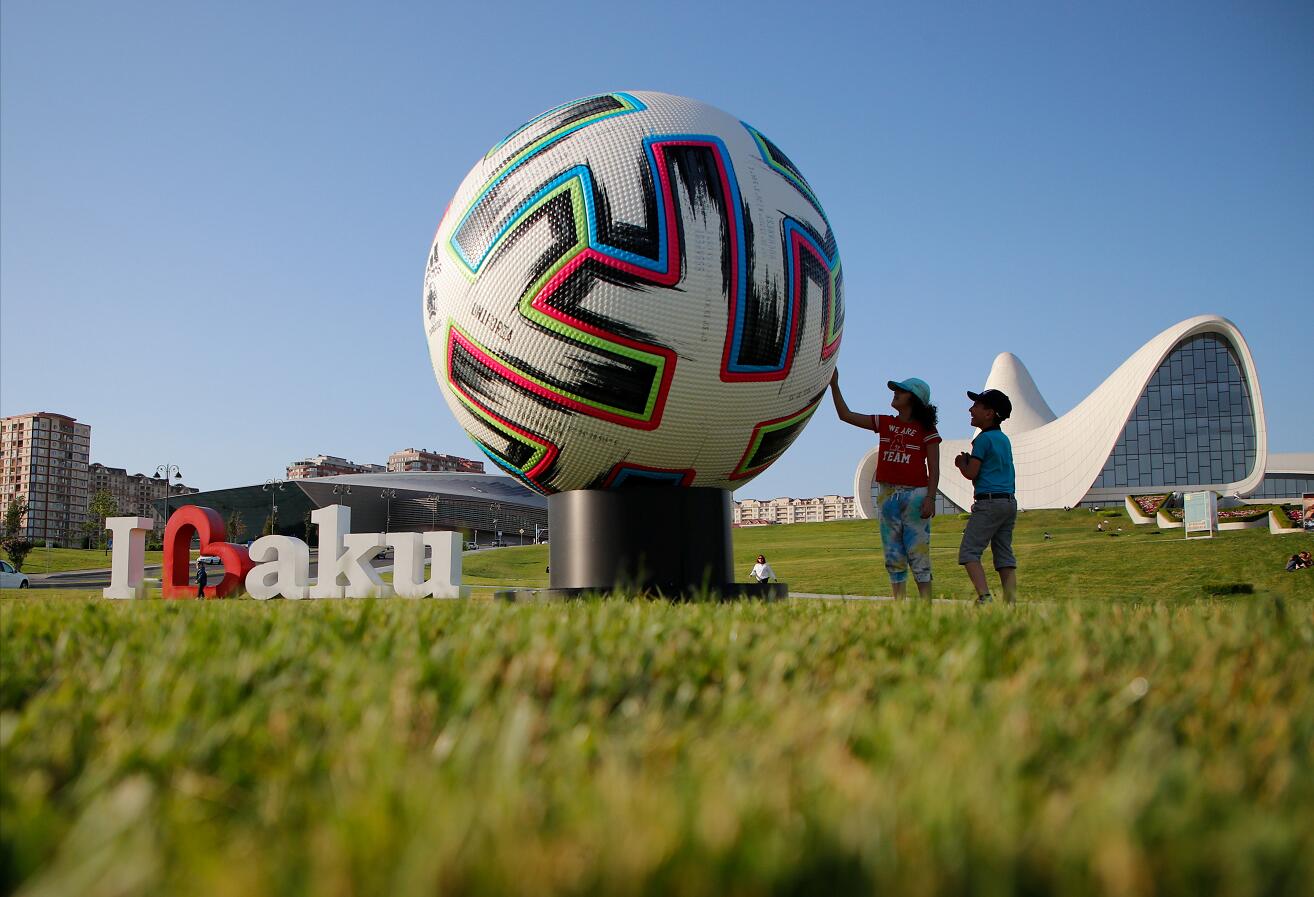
x: 272, y: 486
x: 495, y: 508
x: 433, y: 525
x: 164, y: 472
x: 338, y: 489
x: 388, y: 494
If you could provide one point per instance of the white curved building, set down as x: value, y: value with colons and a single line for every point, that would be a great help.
x: 1185, y: 412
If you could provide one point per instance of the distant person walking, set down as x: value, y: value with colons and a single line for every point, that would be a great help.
x: 762, y: 571
x: 202, y: 576
x: 989, y: 465
x: 907, y: 477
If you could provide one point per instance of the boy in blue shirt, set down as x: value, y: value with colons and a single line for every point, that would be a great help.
x: 994, y: 509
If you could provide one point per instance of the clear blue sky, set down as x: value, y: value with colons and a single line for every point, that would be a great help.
x: 245, y: 193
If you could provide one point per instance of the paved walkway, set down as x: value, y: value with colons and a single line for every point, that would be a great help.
x: 815, y: 596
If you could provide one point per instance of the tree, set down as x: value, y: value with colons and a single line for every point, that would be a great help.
x: 11, y: 539
x: 236, y: 527
x: 102, y: 505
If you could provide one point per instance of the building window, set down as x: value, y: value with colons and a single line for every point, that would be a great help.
x: 1284, y: 485
x: 1193, y: 425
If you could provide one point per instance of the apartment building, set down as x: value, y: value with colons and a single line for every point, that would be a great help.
x: 328, y: 466
x: 43, y: 459
x: 134, y: 493
x: 752, y: 511
x: 408, y: 460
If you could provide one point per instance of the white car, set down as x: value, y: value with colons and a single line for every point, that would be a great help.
x: 11, y: 578
x: 209, y: 560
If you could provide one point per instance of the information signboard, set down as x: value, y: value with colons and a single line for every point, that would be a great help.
x: 1201, y: 514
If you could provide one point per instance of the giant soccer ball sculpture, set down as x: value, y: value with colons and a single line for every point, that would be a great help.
x: 633, y: 289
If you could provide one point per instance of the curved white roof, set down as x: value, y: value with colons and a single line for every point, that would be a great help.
x: 1057, y: 459
x: 474, y: 486
x: 1030, y: 410
x: 1291, y: 462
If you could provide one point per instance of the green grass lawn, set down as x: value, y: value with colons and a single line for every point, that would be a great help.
x: 1114, y: 734
x: 610, y: 747
x: 63, y: 560
x: 1143, y: 562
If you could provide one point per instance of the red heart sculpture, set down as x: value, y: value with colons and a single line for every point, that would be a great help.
x: 209, y: 527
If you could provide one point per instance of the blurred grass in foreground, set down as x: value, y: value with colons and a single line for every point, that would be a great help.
x: 408, y: 748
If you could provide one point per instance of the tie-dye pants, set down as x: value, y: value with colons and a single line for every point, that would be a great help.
x: 905, y: 535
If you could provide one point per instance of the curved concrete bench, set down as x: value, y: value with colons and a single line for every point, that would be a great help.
x: 1276, y: 528
x: 1134, y: 512
x: 1244, y: 524
x: 1166, y: 522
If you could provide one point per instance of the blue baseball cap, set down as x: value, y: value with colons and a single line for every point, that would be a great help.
x: 914, y: 386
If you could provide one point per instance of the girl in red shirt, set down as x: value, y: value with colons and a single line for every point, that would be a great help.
x: 907, y: 478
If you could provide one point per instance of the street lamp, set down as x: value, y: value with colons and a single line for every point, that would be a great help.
x: 162, y: 473
x: 389, y: 494
x: 272, y: 486
x: 495, y: 508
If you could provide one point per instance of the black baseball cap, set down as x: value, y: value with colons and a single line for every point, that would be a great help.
x: 995, y: 401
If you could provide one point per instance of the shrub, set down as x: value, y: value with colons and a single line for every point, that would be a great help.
x: 1228, y: 588
x: 18, y: 549
x: 11, y: 533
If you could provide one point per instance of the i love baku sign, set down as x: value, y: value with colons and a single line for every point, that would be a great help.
x: 279, y: 566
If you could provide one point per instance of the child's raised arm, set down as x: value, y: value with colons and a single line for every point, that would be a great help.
x: 842, y: 408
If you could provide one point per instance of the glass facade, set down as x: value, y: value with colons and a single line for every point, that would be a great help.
x: 1284, y: 485
x: 944, y: 505
x: 1193, y: 425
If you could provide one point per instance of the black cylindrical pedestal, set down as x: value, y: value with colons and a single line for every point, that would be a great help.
x: 642, y: 539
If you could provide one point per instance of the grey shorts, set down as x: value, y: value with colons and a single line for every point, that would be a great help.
x: 991, y: 524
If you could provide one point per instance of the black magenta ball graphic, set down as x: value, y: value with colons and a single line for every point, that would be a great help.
x: 634, y: 287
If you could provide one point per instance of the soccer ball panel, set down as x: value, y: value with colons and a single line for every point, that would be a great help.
x: 633, y: 287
